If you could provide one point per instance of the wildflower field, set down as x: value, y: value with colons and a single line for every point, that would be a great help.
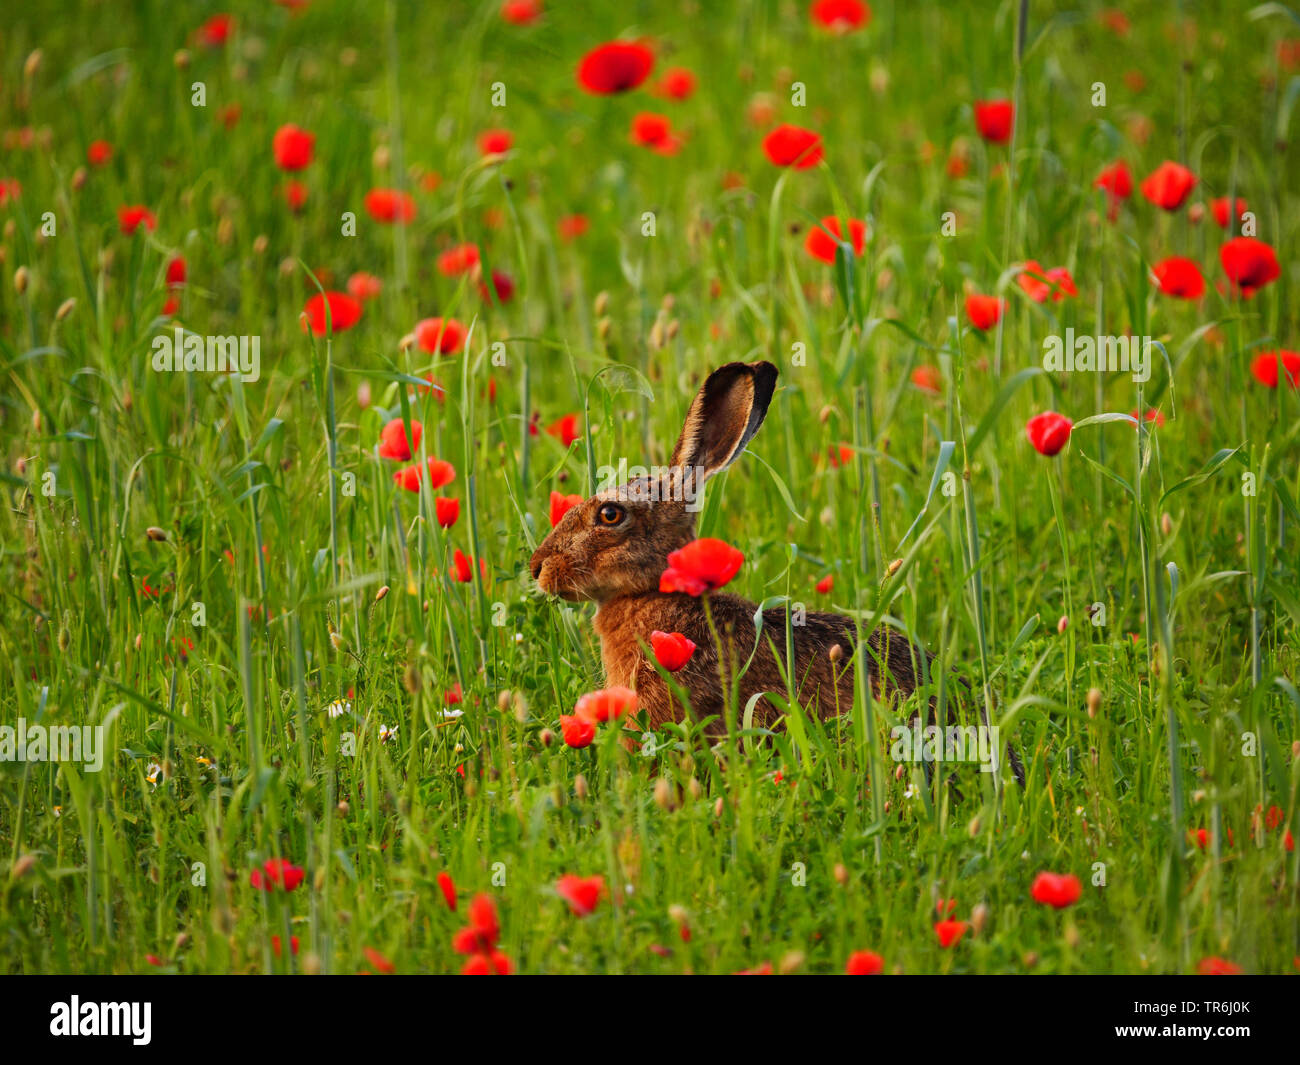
x: 318, y: 317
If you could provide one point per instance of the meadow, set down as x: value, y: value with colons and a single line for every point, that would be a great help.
x: 328, y: 692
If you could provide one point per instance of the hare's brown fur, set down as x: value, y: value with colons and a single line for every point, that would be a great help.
x: 618, y: 564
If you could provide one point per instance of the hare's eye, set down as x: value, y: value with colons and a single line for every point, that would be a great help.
x: 610, y: 514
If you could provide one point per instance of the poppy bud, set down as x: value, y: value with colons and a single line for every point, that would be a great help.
x: 22, y: 866
x: 521, y: 707
x: 695, y: 788
x: 894, y: 567
x: 180, y: 942
x: 156, y: 534
x: 1295, y: 749
x: 580, y: 786
x: 836, y: 652
x: 33, y: 63
x: 381, y: 594
x: 21, y: 277
x: 139, y: 640
x: 337, y: 642
x: 547, y: 737
x: 503, y: 700
x: 225, y: 231
x: 382, y: 157
x: 979, y: 917
x: 601, y: 305
x: 1063, y: 624
x: 78, y: 178
x: 343, y: 808
x: 824, y: 415
x: 181, y: 59
x: 603, y: 328
x: 973, y: 829
x: 406, y: 343
x: 260, y: 244
x: 841, y: 874
x: 1071, y: 936
x: 718, y: 806
x: 900, y: 771
x: 1166, y: 523
x: 65, y: 308
x: 410, y: 677
x: 791, y: 962
x: 1030, y: 959
x: 664, y: 797
x: 1094, y: 701
x: 311, y: 964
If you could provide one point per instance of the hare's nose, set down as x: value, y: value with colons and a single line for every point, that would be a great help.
x: 536, y: 567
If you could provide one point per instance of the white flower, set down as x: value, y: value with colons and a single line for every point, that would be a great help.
x: 386, y: 733
x: 453, y: 713
x: 153, y: 773
x: 338, y: 708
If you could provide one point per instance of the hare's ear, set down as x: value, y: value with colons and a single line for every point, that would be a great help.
x: 723, y: 418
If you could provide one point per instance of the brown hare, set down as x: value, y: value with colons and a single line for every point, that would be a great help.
x: 613, y: 549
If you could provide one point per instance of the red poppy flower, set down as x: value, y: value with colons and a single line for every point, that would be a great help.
x: 825, y: 585
x: 99, y: 153
x: 521, y: 12
x: 793, y: 146
x: 292, y: 147
x: 1249, y: 263
x: 608, y: 704
x: 494, y: 963
x: 994, y: 119
x: 701, y: 566
x: 841, y: 16
x: 439, y: 473
x: 1214, y: 966
x: 132, y: 217
x: 581, y: 893
x: 463, y: 565
x: 1265, y: 368
x: 949, y: 931
x: 1057, y: 890
x: 1179, y: 277
x: 275, y: 945
x: 1221, y: 213
x: 577, y: 733
x: 864, y: 963
x: 676, y: 84
x: 377, y: 961
x: 561, y: 505
x: 761, y: 969
x: 495, y: 141
x: 1168, y: 185
x: 572, y: 226
x: 825, y: 238
x: 175, y: 272
x: 928, y: 379
x: 344, y: 312
x: 363, y: 286
x: 440, y: 336
x: 276, y: 873
x: 1048, y: 432
x: 295, y: 195
x: 458, y: 260
x: 1040, y: 283
x: 502, y: 284
x: 447, y: 511
x: 390, y: 205
x: 615, y: 67
x: 672, y: 650
x: 840, y: 455
x: 448, y: 888
x: 394, y: 442
x: 564, y: 429
x: 650, y: 129
x: 213, y: 33
x: 984, y: 312
x: 1152, y: 415
x: 1116, y: 180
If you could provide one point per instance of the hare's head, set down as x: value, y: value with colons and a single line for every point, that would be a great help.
x: 617, y: 542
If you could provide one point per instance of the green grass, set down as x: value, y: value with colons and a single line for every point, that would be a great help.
x: 1197, y: 717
